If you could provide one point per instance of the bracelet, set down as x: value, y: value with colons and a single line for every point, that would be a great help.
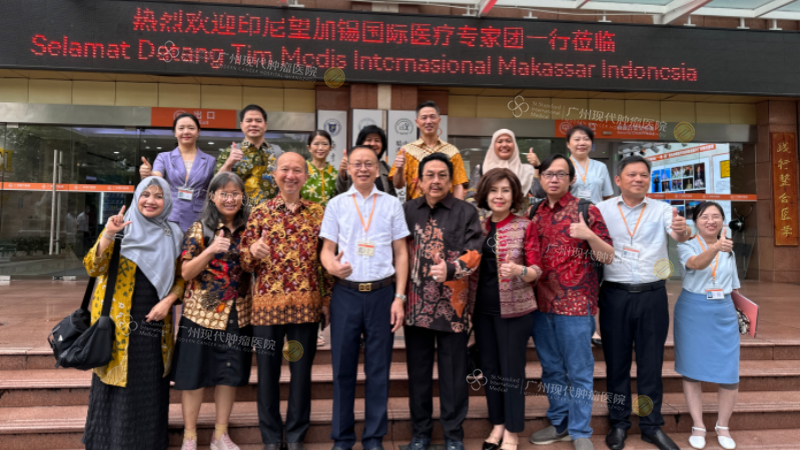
x: 110, y: 238
x: 524, y: 271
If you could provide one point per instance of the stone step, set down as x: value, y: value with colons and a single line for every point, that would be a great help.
x: 65, y: 387
x: 61, y: 427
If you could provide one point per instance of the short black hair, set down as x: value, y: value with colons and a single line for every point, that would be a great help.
x: 182, y: 116
x: 357, y: 147
x: 427, y: 104
x: 322, y: 133
x: 699, y: 209
x: 252, y: 108
x: 583, y: 128
x: 632, y: 160
x: 436, y: 157
x: 373, y: 129
x: 551, y: 159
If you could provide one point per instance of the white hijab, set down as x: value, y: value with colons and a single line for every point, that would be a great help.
x: 153, y: 244
x: 523, y: 171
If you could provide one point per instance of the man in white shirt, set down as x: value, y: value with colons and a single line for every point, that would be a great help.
x: 634, y: 312
x: 370, y: 230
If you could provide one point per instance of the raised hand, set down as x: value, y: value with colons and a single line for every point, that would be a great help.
x: 220, y: 244
x: 678, y: 223
x: 117, y: 222
x: 260, y: 248
x: 343, y: 165
x: 508, y: 269
x: 580, y: 230
x: 340, y: 270
x: 532, y: 158
x: 145, y: 170
x: 439, y: 269
x: 236, y: 154
x: 724, y: 244
x: 400, y: 160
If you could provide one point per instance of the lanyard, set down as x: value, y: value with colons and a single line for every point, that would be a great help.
x: 625, y: 221
x: 585, y: 170
x: 716, y: 261
x: 366, y: 227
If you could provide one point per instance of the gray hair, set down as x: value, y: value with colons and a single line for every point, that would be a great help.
x: 210, y: 217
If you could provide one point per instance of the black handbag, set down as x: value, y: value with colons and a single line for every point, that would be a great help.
x: 75, y: 343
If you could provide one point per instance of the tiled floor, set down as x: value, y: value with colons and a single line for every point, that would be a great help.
x: 30, y: 309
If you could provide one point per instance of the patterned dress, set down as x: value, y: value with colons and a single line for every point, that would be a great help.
x: 321, y: 184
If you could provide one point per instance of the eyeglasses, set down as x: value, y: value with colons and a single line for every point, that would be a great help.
x: 433, y: 176
x: 227, y: 196
x: 366, y: 165
x: 550, y: 175
x: 707, y: 217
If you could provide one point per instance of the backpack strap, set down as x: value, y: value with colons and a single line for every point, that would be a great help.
x: 111, y: 281
x: 583, y: 207
x: 208, y: 235
x: 535, y: 202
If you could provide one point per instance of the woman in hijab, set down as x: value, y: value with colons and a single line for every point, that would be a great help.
x: 129, y: 397
x: 503, y: 153
x: 371, y: 136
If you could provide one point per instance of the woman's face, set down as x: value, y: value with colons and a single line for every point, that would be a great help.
x: 709, y: 223
x: 579, y: 143
x: 228, y: 200
x: 186, y: 131
x: 374, y: 140
x: 320, y: 147
x: 151, y: 202
x: 499, y: 198
x: 504, y: 147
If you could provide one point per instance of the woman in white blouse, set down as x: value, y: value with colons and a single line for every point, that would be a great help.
x: 706, y: 325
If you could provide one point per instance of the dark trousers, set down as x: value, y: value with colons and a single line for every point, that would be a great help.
x: 502, y: 344
x: 421, y: 343
x: 354, y: 313
x: 631, y: 321
x: 269, y: 382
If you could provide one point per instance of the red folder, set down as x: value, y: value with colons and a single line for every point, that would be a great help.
x: 749, y: 309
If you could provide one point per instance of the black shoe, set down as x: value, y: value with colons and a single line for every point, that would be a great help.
x: 660, y: 440
x: 295, y: 446
x: 490, y: 446
x: 277, y: 446
x: 597, y: 341
x: 615, y: 439
x: 340, y: 448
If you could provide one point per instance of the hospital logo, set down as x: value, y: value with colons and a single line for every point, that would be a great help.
x: 332, y: 126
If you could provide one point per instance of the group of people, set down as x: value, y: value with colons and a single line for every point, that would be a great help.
x: 262, y: 247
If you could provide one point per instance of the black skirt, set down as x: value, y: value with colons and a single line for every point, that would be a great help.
x: 206, y: 358
x: 136, y: 416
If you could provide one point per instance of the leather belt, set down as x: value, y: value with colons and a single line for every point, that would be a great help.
x: 636, y: 288
x: 367, y: 287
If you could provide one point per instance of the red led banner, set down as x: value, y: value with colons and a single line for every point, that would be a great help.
x: 216, y: 40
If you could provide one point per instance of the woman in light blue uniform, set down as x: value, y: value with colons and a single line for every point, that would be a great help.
x: 706, y: 325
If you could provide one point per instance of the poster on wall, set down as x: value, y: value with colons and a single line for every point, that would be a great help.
x: 335, y: 123
x: 684, y: 175
x: 401, y: 130
x: 363, y: 118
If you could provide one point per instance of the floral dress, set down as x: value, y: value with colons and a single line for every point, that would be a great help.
x: 321, y: 184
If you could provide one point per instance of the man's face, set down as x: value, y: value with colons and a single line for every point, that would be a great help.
x: 290, y: 173
x: 436, y: 180
x: 428, y: 121
x: 634, y: 179
x: 362, y: 165
x: 555, y: 180
x: 253, y: 126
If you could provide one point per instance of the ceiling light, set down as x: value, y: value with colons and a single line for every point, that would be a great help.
x: 148, y: 148
x: 116, y: 153
x: 210, y: 143
x: 158, y: 148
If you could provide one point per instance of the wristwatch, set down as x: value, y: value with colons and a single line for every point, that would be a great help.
x: 401, y: 297
x: 524, y: 271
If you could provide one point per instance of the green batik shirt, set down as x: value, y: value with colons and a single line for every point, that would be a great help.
x: 256, y: 170
x: 321, y: 185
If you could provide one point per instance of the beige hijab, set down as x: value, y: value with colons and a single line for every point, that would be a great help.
x: 523, y: 171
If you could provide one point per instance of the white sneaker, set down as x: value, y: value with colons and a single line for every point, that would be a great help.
x: 189, y: 444
x: 223, y: 443
x: 726, y: 442
x: 698, y: 442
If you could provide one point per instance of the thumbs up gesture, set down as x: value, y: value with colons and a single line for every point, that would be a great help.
x: 236, y: 154
x: 260, y: 248
x: 145, y: 170
x: 580, y: 230
x: 340, y: 270
x: 439, y: 269
x: 532, y: 158
x: 220, y: 244
x: 678, y: 223
x: 400, y: 160
x: 724, y: 244
x: 509, y: 269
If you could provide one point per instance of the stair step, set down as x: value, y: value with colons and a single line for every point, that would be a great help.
x: 61, y: 427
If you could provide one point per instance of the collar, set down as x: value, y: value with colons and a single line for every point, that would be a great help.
x: 247, y: 145
x: 312, y: 168
x: 353, y: 191
x: 447, y: 202
x: 500, y: 224
x: 279, y: 203
x: 563, y: 201
x: 421, y: 144
x: 622, y: 202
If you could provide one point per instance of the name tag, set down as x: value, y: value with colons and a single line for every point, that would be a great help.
x: 630, y: 253
x: 714, y: 294
x: 185, y: 193
x: 584, y: 193
x: 366, y: 248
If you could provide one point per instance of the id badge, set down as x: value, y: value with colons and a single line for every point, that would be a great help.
x: 630, y: 253
x: 366, y: 248
x: 714, y: 294
x: 185, y: 193
x: 584, y: 193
